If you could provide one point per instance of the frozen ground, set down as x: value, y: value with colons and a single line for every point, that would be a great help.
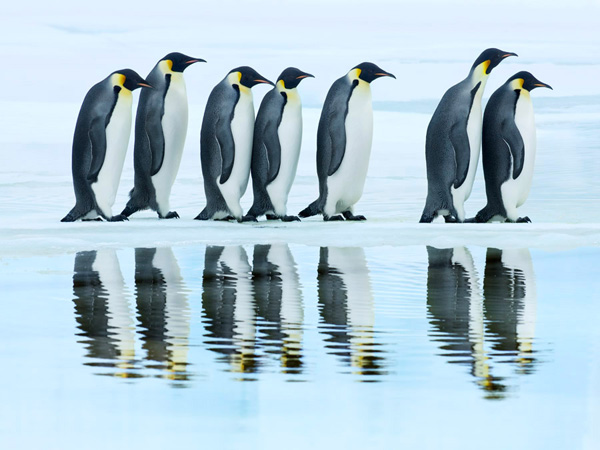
x: 53, y: 54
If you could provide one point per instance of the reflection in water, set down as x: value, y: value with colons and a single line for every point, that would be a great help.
x: 346, y: 306
x: 105, y: 317
x: 279, y: 303
x: 466, y: 321
x: 163, y: 310
x: 229, y: 307
x: 102, y: 310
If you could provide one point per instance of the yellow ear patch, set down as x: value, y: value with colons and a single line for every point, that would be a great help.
x: 239, y: 74
x: 517, y: 83
x: 118, y: 79
x: 485, y: 66
x: 281, y: 84
x: 169, y: 64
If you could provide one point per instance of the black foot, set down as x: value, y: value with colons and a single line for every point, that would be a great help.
x: 118, y: 218
x: 272, y: 217
x: 290, y: 219
x: 524, y: 220
x: 97, y: 219
x: 451, y: 219
x: 170, y: 215
x: 332, y: 218
x: 128, y: 211
x: 249, y: 218
x: 225, y: 219
x: 349, y: 216
x: 471, y: 220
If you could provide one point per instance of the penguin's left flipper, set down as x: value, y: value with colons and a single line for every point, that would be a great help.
x: 118, y: 218
x: 462, y: 153
x: 349, y: 216
x: 170, y: 215
x: 227, y: 147
x: 337, y: 134
x: 512, y: 138
x: 97, y: 136
x: 271, y: 141
x: 156, y: 139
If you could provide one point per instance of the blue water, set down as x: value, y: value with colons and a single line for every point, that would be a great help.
x: 277, y: 346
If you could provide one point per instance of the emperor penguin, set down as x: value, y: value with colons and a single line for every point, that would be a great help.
x: 160, y: 130
x: 100, y: 144
x: 453, y: 141
x: 508, y: 151
x: 344, y: 139
x: 226, y: 143
x: 276, y: 147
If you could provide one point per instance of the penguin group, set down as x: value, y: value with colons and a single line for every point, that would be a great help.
x: 234, y: 144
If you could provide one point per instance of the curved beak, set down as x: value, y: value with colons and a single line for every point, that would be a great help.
x: 385, y: 74
x: 304, y: 75
x: 540, y: 84
x: 507, y: 54
x: 145, y: 84
x: 195, y: 60
x: 260, y: 80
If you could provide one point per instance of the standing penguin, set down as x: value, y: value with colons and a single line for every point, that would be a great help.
x: 344, y: 139
x: 100, y: 144
x: 509, y: 148
x: 160, y: 129
x: 453, y: 141
x: 276, y: 148
x: 226, y: 143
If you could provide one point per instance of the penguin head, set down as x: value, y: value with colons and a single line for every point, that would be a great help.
x: 248, y: 77
x: 525, y: 80
x: 368, y: 72
x: 178, y: 62
x: 130, y: 79
x: 490, y: 58
x: 291, y: 78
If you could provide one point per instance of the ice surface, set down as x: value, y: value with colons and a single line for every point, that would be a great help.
x: 54, y: 53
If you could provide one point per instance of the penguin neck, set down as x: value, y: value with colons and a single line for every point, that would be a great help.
x: 165, y: 68
x: 290, y: 94
x: 517, y: 85
x: 117, y: 80
x: 479, y: 74
x: 354, y: 75
x: 234, y: 80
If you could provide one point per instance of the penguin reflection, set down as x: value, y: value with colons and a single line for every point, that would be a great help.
x: 229, y: 308
x: 102, y: 310
x: 279, y: 302
x: 346, y: 307
x: 163, y: 310
x: 458, y: 310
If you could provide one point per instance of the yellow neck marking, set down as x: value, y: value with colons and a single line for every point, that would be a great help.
x: 166, y: 66
x: 517, y: 83
x: 354, y: 74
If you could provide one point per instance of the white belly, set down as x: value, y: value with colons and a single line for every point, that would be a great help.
x: 242, y: 128
x: 118, y: 131
x: 474, y: 123
x: 290, y: 139
x: 174, y: 124
x: 516, y: 191
x: 345, y: 187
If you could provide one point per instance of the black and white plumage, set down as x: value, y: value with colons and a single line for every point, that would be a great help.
x: 453, y: 141
x: 160, y: 131
x: 100, y: 143
x: 276, y: 147
x: 509, y: 146
x: 226, y: 143
x: 344, y: 139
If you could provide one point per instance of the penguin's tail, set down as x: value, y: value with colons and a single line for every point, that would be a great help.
x: 311, y: 210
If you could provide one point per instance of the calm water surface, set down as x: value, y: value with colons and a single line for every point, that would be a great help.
x: 229, y: 341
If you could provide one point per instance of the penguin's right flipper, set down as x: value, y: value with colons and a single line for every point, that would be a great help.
x: 462, y: 154
x: 512, y: 138
x: 337, y: 140
x: 156, y: 139
x: 227, y: 147
x: 271, y: 142
x: 97, y: 135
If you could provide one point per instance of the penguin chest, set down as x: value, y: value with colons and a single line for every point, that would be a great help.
x: 290, y: 138
x: 242, y: 130
x: 174, y: 124
x: 346, y: 185
x: 117, y: 131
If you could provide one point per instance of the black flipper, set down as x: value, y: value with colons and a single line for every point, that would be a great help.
x: 273, y: 147
x: 156, y: 140
x: 514, y: 141
x: 337, y: 135
x: 227, y: 147
x: 97, y: 135
x: 462, y: 154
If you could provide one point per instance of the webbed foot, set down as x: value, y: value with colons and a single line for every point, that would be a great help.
x: 249, y: 218
x: 290, y: 219
x: 333, y: 218
x: 118, y: 218
x: 524, y: 220
x: 170, y: 215
x: 349, y: 216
